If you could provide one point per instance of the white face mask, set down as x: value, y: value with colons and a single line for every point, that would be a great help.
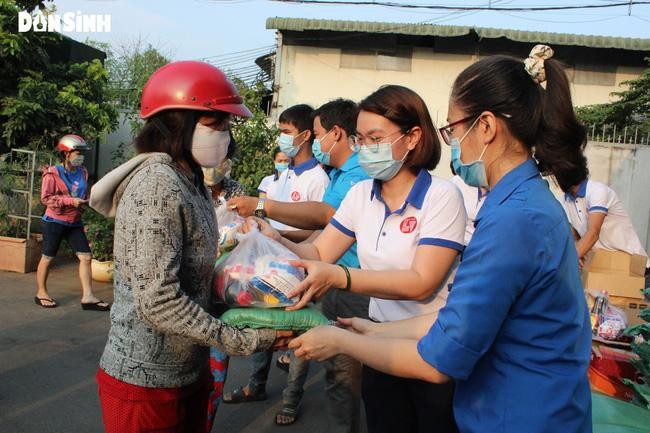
x: 209, y: 147
x: 77, y: 161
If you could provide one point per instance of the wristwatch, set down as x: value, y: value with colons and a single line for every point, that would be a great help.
x: 259, y: 210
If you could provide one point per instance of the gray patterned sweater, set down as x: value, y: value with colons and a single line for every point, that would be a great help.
x: 165, y: 232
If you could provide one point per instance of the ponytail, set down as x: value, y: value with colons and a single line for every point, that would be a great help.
x: 542, y: 119
x: 562, y: 138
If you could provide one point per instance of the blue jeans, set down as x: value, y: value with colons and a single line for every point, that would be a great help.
x: 260, y: 363
x: 342, y: 373
x: 298, y: 370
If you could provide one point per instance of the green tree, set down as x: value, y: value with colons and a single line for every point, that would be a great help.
x: 42, y: 95
x: 255, y: 137
x: 631, y: 109
x: 130, y: 63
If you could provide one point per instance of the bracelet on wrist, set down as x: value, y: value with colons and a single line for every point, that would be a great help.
x: 348, y: 280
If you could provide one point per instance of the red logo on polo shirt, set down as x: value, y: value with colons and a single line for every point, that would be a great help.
x: 295, y: 196
x: 408, y: 225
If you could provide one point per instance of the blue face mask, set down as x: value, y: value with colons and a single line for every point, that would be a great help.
x: 473, y: 173
x: 285, y: 142
x: 377, y: 160
x: 281, y: 166
x: 322, y: 157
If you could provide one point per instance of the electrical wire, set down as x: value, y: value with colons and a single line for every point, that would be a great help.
x: 465, y: 8
x: 537, y: 19
x: 243, y: 52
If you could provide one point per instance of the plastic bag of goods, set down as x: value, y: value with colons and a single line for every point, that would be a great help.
x: 229, y: 223
x: 612, y: 323
x: 257, y: 273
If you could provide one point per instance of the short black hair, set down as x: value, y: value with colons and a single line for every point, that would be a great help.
x: 340, y: 112
x: 299, y: 116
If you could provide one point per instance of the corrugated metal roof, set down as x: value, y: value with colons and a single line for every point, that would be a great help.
x: 593, y: 41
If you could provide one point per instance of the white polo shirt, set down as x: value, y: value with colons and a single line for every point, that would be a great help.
x: 266, y: 183
x: 303, y: 182
x: 433, y: 214
x: 473, y: 198
x: 617, y: 232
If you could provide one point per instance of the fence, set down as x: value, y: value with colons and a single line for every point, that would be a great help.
x: 19, y: 198
x: 612, y: 134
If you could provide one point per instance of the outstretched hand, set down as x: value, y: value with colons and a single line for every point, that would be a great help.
x: 244, y: 206
x: 319, y: 343
x: 320, y: 278
x: 359, y: 326
x: 253, y: 223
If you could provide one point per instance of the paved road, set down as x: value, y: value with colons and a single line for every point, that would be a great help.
x: 48, y: 359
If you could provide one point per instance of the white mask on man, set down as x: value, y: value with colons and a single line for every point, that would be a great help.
x: 209, y: 147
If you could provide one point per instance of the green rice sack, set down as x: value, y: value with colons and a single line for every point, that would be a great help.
x: 274, y: 318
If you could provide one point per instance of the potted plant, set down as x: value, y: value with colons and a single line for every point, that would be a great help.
x: 99, y: 231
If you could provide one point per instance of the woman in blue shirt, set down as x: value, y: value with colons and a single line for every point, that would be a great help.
x: 514, y: 335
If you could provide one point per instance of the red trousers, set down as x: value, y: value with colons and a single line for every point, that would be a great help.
x: 130, y: 408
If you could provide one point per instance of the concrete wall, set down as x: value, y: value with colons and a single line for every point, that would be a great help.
x: 626, y: 168
x: 313, y: 75
x: 110, y: 144
x: 584, y: 94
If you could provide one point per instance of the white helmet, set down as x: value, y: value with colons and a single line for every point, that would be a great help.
x: 71, y: 142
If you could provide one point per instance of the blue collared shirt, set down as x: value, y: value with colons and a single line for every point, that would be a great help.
x: 341, y: 180
x: 580, y: 193
x: 515, y: 333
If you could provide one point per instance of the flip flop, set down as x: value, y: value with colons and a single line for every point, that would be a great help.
x: 96, y: 306
x: 39, y: 301
x: 283, y: 362
x: 288, y: 412
x: 239, y: 396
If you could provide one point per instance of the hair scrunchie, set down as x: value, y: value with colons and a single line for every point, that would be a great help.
x: 534, y: 64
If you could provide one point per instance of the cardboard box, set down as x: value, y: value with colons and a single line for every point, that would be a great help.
x: 632, y: 308
x: 614, y: 284
x: 617, y: 262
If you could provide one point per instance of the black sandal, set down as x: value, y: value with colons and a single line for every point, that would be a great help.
x: 41, y: 302
x: 288, y: 412
x: 96, y: 306
x: 283, y: 362
x: 239, y: 396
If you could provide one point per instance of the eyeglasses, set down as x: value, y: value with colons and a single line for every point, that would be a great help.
x: 374, y: 142
x: 447, y: 130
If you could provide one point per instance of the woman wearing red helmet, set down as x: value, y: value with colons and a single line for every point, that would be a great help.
x: 153, y: 372
x: 64, y: 191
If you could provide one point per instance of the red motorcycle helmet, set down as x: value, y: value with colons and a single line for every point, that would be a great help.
x: 190, y: 85
x: 71, y: 142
